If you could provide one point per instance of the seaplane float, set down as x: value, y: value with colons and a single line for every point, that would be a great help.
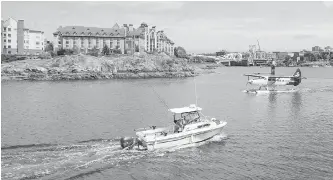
x: 190, y: 127
x: 271, y: 81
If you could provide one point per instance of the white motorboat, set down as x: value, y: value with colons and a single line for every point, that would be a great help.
x: 190, y: 127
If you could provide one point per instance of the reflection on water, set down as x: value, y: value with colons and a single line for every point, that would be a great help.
x: 296, y: 103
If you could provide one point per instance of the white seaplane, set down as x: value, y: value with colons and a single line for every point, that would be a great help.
x: 190, y: 128
x: 271, y: 82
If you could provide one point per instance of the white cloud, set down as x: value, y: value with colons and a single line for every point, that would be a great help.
x: 328, y: 3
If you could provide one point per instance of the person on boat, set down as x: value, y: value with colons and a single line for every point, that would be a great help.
x: 178, y: 125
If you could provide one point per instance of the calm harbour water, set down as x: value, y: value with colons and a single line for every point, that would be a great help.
x: 69, y: 129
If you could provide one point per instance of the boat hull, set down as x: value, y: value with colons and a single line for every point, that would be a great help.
x: 184, y: 138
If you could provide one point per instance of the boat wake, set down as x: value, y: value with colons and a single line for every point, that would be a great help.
x: 254, y: 91
x: 52, y: 161
x: 63, y: 161
x: 302, y: 90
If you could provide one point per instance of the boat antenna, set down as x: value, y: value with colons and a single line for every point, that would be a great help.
x: 195, y: 89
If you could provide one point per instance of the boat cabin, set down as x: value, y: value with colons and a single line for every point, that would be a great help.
x: 184, y: 116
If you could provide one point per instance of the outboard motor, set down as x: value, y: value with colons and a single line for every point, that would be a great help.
x: 130, y: 142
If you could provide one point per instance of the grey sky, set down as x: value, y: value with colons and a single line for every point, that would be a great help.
x: 197, y: 26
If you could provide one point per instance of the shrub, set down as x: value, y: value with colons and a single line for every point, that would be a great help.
x: 44, y: 56
x: 117, y: 51
x: 61, y: 52
x: 94, y: 52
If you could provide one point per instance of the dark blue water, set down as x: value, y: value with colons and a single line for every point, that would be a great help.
x: 70, y: 129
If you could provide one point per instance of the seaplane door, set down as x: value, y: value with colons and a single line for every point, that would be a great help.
x: 271, y: 81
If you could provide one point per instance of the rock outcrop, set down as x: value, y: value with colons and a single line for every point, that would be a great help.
x: 82, y: 67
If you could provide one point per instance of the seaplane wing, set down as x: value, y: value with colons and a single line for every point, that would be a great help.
x: 254, y: 75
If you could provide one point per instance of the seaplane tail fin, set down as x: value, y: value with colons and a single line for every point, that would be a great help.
x: 298, y: 77
x: 297, y: 74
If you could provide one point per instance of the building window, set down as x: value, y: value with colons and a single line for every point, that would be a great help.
x: 4, y: 40
x: 9, y: 29
x: 67, y: 42
x: 111, y: 44
x: 89, y: 43
x: 4, y: 47
x: 9, y: 40
x: 37, y: 43
x: 4, y: 28
x: 4, y: 35
x: 9, y: 35
x: 9, y: 46
x: 9, y: 52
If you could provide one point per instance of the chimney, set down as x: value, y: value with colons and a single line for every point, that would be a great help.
x: 2, y: 51
x: 20, y: 37
x: 130, y: 27
x: 126, y: 29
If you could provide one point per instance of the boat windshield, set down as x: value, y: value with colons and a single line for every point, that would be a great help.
x: 187, y: 117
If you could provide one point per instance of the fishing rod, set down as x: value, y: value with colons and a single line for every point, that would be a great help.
x: 159, y: 97
x: 195, y: 90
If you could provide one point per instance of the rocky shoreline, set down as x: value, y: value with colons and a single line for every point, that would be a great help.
x: 82, y: 67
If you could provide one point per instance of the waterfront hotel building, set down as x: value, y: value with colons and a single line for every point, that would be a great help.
x: 16, y: 39
x: 125, y: 38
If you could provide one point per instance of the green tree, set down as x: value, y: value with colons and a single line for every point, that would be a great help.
x: 287, y: 60
x: 49, y: 47
x: 76, y: 50
x: 180, y: 52
x: 106, y: 50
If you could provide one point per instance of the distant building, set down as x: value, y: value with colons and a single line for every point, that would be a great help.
x: 19, y: 40
x: 271, y: 56
x: 316, y: 48
x: 281, y: 55
x: 328, y: 49
x: 126, y: 38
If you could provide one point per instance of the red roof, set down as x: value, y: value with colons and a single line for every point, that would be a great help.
x: 91, y: 31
